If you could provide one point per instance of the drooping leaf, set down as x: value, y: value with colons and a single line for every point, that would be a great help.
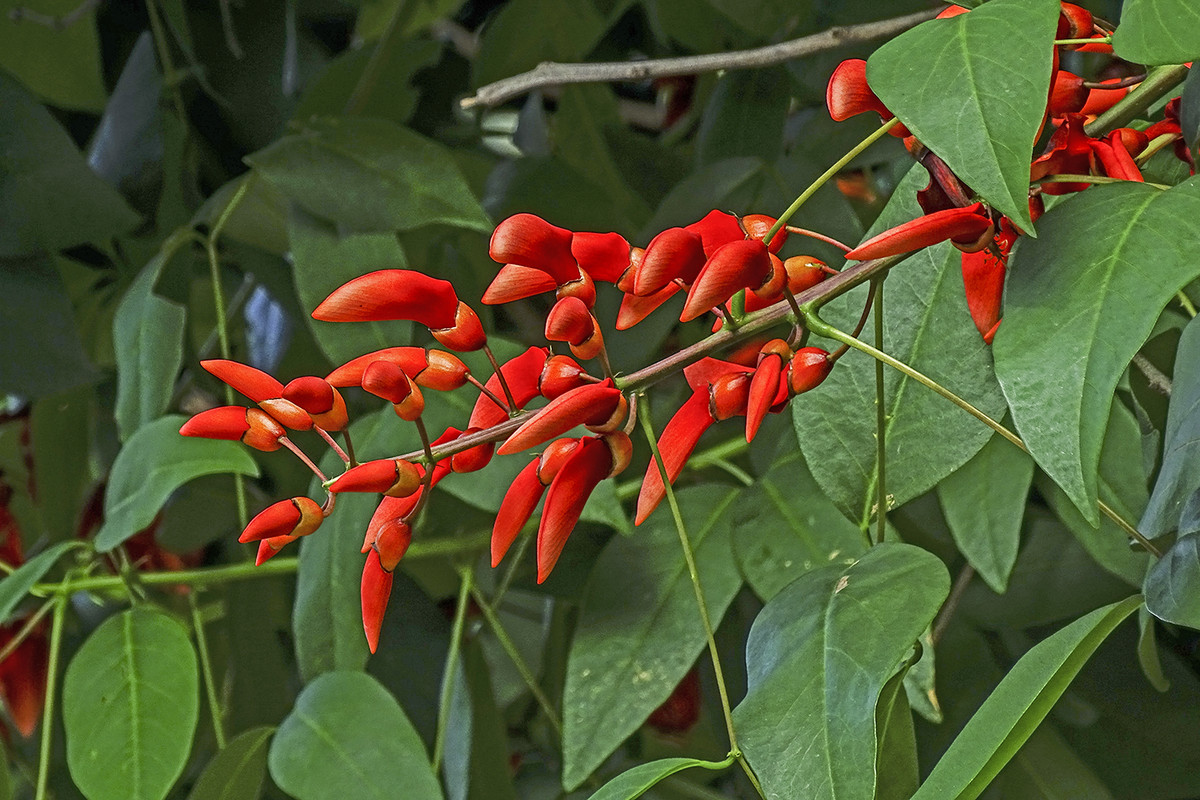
x: 980, y: 113
x: 1179, y: 476
x: 148, y: 339
x: 927, y: 326
x: 1158, y: 32
x: 1147, y: 651
x: 633, y: 783
x: 153, y: 463
x: 237, y: 772
x: 370, y: 175
x: 49, y: 197
x: 60, y: 64
x: 984, y: 503
x: 896, y: 772
x: 130, y: 704
x: 15, y: 586
x: 1018, y: 705
x: 1080, y: 300
x: 127, y: 148
x: 347, y: 734
x: 829, y: 643
x: 1047, y: 768
x: 640, y: 630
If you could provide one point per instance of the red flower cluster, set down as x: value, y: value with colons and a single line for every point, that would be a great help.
x: 711, y: 260
x: 984, y: 236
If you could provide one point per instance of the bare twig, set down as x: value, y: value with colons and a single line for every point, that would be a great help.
x: 1158, y: 381
x: 550, y: 73
x: 22, y: 14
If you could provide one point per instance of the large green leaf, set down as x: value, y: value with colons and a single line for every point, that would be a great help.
x: 640, y: 630
x: 1080, y: 301
x: 787, y: 527
x: 49, y: 197
x: 977, y: 109
x: 322, y: 261
x: 926, y: 325
x: 1172, y: 585
x: 1013, y: 711
x: 130, y: 704
x: 984, y: 504
x: 154, y: 463
x: 1179, y: 476
x: 61, y: 64
x: 238, y: 771
x: 525, y: 33
x: 818, y: 657
x: 370, y: 175
x: 15, y: 586
x: 633, y: 783
x: 1158, y: 31
x: 148, y: 339
x: 347, y: 734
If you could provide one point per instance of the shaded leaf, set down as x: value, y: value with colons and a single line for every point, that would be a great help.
x: 525, y: 33
x: 15, y: 586
x: 238, y: 771
x: 49, y: 197
x: 1046, y: 768
x: 1179, y: 476
x: 1080, y: 301
x: 1147, y: 651
x: 634, y: 782
x: 370, y: 175
x: 62, y: 65
x: 1158, y: 32
x: 130, y: 705
x: 896, y: 771
x: 745, y: 116
x: 1172, y: 585
x: 640, y: 630
x: 153, y: 463
x: 980, y: 113
x: 347, y: 733
x: 984, y: 503
x: 829, y: 643
x: 1013, y: 711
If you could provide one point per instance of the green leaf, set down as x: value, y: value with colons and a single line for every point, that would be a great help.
x: 322, y: 261
x: 148, y: 338
x: 1079, y: 303
x: 14, y: 587
x: 745, y: 116
x: 926, y: 325
x: 1179, y: 476
x: 130, y: 704
x: 370, y: 176
x: 640, y: 630
x: 1147, y: 651
x: 1158, y: 32
x: 818, y: 658
x: 634, y: 782
x: 1172, y: 585
x: 977, y: 109
x: 896, y: 772
x: 787, y: 527
x: 60, y: 64
x: 49, y: 197
x: 60, y: 426
x: 42, y: 351
x: 525, y: 33
x: 1013, y: 711
x: 238, y: 771
x: 984, y: 503
x: 153, y: 463
x: 347, y: 734
x: 1047, y: 768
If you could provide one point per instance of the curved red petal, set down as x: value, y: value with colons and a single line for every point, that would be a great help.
x: 375, y: 590
x: 252, y: 382
x: 764, y: 386
x: 515, y: 282
x: 296, y: 516
x: 519, y: 502
x: 392, y: 294
x: 223, y: 422
x: 589, y: 464
x: 676, y: 443
x: 940, y: 226
x: 410, y: 359
x: 634, y: 309
x: 737, y: 265
x: 674, y: 254
x: 603, y: 256
x: 592, y: 404
x: 716, y: 230
x: 522, y: 374
x: 530, y: 241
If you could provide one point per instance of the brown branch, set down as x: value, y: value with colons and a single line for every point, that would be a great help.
x: 551, y: 73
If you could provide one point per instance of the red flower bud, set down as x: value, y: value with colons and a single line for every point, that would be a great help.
x: 728, y: 396
x: 433, y: 369
x: 262, y: 389
x: 376, y: 590
x: 530, y: 241
x: 520, y: 500
x: 253, y: 427
x: 737, y: 265
x: 570, y: 321
x: 955, y: 224
x: 392, y: 294
x: 560, y: 375
x: 320, y: 401
x: 848, y: 95
x: 808, y: 368
x: 391, y: 476
x: 764, y: 386
x: 587, y: 465
x: 296, y: 517
x: 473, y: 459
x: 596, y: 404
x: 391, y: 543
x: 385, y: 379
x: 674, y: 254
x: 1068, y: 95
x: 465, y: 335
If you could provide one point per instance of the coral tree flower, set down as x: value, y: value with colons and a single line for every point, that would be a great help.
x: 600, y: 406
x: 958, y: 225
x: 251, y: 426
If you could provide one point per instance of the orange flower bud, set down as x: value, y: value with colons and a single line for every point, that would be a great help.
x: 296, y: 517
x: 252, y: 426
x: 757, y: 226
x: 391, y: 476
x: 392, y: 294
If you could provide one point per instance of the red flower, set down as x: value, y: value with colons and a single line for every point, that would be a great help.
x: 962, y: 226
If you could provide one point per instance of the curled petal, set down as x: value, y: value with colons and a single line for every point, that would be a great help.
x: 634, y: 309
x: 519, y: 502
x: 522, y: 374
x: 253, y: 383
x: 674, y: 254
x: 269, y: 548
x: 465, y: 335
x: 390, y: 476
x: 1074, y: 22
x: 965, y: 224
x: 375, y: 591
x: 297, y: 516
x: 593, y: 404
x: 808, y: 368
x: 392, y: 294
x: 716, y: 230
x: 254, y: 427
x: 515, y: 282
x: 320, y: 401
x: 737, y: 265
x: 603, y: 256
x: 764, y: 386
x: 530, y: 241
x: 589, y: 464
x: 391, y: 543
x: 676, y: 443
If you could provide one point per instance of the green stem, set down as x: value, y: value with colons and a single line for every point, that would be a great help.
x: 837, y: 167
x: 515, y: 656
x: 26, y: 629
x: 1186, y: 302
x: 206, y: 671
x: 739, y: 474
x: 56, y: 632
x: 745, y: 765
x: 880, y: 422
x: 170, y: 75
x: 1158, y: 82
x: 1096, y: 179
x: 693, y: 573
x: 444, y: 702
x: 822, y: 328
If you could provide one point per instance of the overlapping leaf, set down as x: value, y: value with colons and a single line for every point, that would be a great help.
x: 1080, y: 300
x: 1158, y: 31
